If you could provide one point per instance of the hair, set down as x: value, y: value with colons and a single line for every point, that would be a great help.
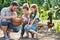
x: 25, y: 6
x: 35, y: 7
x: 14, y: 3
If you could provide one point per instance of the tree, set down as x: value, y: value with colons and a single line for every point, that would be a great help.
x: 2, y: 1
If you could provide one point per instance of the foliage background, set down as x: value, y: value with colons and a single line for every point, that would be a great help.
x: 43, y: 7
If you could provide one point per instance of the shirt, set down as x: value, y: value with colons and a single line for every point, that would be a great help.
x: 35, y: 16
x: 25, y: 18
x: 6, y: 12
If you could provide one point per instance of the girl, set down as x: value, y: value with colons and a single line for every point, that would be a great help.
x: 33, y: 22
x: 34, y: 19
x: 25, y: 11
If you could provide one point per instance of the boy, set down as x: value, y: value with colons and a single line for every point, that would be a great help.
x: 25, y: 11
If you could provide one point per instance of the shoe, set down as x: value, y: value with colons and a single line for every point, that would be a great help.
x: 6, y: 37
x: 26, y: 37
x: 20, y: 37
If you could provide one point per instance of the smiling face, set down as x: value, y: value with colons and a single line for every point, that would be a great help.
x: 33, y: 10
x: 25, y: 11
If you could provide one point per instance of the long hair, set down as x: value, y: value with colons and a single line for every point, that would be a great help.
x: 35, y: 7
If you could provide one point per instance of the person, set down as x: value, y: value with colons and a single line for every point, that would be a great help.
x: 34, y: 19
x: 25, y: 16
x: 6, y: 14
x: 0, y: 18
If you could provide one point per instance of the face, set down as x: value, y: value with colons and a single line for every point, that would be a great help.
x: 33, y: 10
x: 25, y: 11
x: 14, y: 8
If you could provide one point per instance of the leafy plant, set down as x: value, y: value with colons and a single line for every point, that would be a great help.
x: 46, y: 6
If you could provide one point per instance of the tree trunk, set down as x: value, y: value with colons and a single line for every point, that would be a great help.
x: 2, y: 1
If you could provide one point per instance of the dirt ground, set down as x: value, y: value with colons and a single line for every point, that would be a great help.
x: 45, y: 35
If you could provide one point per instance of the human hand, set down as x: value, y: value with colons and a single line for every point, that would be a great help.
x: 30, y: 25
x: 13, y: 16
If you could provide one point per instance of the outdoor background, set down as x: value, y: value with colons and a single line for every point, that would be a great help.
x: 43, y: 7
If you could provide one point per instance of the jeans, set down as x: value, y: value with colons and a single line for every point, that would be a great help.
x: 23, y: 30
x: 9, y: 25
x: 33, y: 27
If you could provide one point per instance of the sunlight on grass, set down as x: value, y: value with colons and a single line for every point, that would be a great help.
x: 56, y: 24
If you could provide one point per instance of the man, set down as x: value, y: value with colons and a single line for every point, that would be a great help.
x: 6, y: 14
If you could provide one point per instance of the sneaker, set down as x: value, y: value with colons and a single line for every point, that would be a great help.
x: 6, y: 37
x: 20, y: 37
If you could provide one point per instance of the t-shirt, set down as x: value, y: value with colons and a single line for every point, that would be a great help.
x: 6, y: 12
x: 0, y: 19
x: 37, y: 15
x: 25, y: 18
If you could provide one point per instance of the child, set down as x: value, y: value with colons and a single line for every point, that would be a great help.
x: 25, y: 11
x: 34, y: 19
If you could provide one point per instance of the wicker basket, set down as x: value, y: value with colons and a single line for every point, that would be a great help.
x: 17, y: 21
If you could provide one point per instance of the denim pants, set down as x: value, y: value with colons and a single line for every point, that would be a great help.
x: 9, y: 25
x: 23, y: 30
x: 33, y: 27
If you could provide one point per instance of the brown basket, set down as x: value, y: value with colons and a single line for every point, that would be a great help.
x: 17, y: 21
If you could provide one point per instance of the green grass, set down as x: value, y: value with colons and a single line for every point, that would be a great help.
x: 56, y: 24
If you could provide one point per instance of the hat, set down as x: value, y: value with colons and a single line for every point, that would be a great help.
x: 14, y: 3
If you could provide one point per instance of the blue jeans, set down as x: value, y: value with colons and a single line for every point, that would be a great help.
x: 23, y: 30
x: 33, y: 27
x: 9, y: 25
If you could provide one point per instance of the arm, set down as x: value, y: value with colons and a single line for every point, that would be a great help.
x: 3, y: 15
x: 28, y: 21
x: 6, y: 17
x: 35, y: 19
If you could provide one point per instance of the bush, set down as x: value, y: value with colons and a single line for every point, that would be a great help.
x: 1, y: 6
x: 46, y: 6
x: 59, y: 4
x: 6, y: 3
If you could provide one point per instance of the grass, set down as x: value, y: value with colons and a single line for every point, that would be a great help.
x: 56, y: 24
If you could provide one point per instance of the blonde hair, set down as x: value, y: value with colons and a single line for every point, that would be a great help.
x: 25, y: 4
x: 34, y: 6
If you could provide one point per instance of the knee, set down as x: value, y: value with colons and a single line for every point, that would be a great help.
x: 17, y: 30
x: 4, y: 22
x: 27, y: 28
